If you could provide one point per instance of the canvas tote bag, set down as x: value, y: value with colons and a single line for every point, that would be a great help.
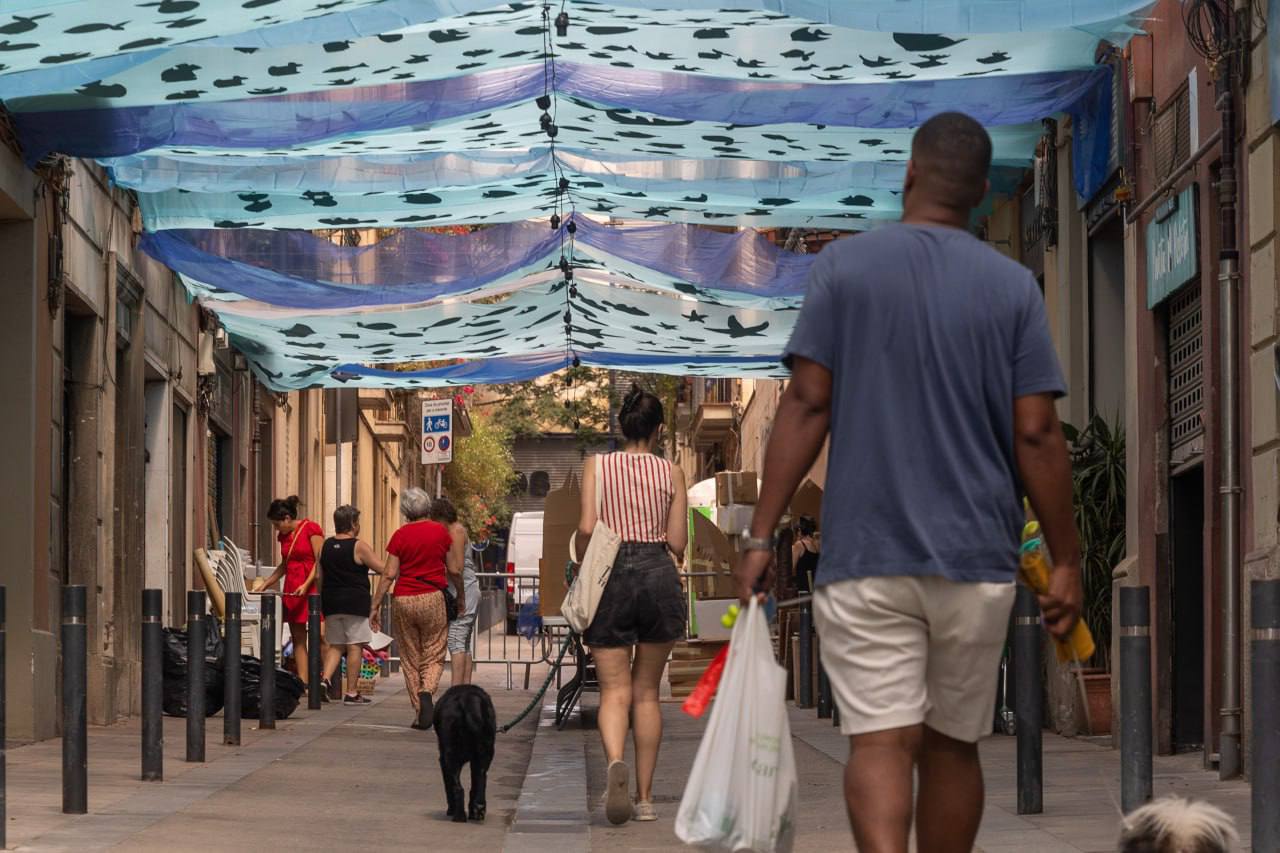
x: 582, y: 599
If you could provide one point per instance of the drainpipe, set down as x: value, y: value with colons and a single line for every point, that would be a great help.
x: 1229, y: 761
x: 254, y: 522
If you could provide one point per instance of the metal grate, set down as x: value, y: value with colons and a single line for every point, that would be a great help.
x: 1172, y: 132
x: 1186, y: 375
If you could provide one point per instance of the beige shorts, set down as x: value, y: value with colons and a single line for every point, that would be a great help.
x: 901, y: 651
x: 342, y: 629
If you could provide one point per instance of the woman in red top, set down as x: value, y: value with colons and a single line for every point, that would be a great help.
x: 300, y: 544
x: 422, y: 561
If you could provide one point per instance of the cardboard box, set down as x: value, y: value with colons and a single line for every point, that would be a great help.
x: 708, y: 614
x: 732, y: 520
x: 737, y: 487
x: 559, y: 523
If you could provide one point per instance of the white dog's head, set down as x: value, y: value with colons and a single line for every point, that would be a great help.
x: 1175, y: 825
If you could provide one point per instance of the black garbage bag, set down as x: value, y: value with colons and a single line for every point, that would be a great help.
x: 289, y: 690
x: 175, y: 671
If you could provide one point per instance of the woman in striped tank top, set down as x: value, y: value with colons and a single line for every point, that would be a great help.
x: 642, y: 610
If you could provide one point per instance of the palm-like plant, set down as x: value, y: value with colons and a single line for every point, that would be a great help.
x: 1098, y: 496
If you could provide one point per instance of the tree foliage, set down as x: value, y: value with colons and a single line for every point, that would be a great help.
x: 479, y: 479
x: 576, y: 400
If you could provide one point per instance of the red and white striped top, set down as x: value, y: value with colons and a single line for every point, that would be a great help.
x: 636, y: 495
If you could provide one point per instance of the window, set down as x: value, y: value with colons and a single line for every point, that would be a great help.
x: 539, y: 484
x: 1172, y: 129
x: 519, y: 485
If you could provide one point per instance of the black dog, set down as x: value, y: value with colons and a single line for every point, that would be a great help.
x: 466, y: 726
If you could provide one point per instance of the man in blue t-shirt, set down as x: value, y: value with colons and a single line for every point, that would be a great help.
x: 926, y: 356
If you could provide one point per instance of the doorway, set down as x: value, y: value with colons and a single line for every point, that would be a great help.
x: 1186, y: 554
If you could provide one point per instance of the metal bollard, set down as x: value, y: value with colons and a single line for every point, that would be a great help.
x: 4, y: 810
x: 1265, y: 639
x: 231, y: 673
x: 75, y: 720
x: 315, y: 688
x: 1135, y: 697
x: 195, y: 675
x: 152, y: 686
x: 824, y: 690
x: 267, y: 708
x: 805, y: 697
x: 1028, y: 712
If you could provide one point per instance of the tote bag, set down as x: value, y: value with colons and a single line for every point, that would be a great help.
x: 583, y: 598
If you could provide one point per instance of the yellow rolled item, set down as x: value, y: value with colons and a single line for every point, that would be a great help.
x: 1033, y: 569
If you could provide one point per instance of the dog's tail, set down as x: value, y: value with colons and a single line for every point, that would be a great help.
x: 1174, y: 825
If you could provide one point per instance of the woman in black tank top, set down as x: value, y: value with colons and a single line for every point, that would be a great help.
x: 804, y: 554
x: 345, y: 598
x: 346, y: 582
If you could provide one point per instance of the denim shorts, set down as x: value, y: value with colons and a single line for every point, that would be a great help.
x: 643, y: 601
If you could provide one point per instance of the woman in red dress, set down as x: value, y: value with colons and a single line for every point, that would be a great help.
x: 300, y: 544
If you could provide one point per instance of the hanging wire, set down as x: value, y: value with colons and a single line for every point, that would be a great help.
x: 1208, y: 25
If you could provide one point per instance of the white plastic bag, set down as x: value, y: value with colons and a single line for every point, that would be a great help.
x: 742, y: 791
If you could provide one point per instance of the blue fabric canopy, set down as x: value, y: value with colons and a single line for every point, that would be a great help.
x: 238, y: 123
x: 298, y: 270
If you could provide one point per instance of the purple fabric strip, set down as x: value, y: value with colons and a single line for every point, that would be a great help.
x: 290, y: 119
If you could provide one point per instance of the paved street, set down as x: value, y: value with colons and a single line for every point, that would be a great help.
x: 359, y: 778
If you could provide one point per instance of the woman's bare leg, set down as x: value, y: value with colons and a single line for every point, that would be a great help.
x: 646, y: 713
x: 613, y: 668
x: 298, y: 631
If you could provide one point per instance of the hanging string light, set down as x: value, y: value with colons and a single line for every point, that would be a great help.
x: 562, y: 201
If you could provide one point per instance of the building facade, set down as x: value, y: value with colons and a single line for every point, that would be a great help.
x: 139, y: 434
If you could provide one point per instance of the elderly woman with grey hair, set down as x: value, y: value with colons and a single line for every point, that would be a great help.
x: 421, y: 562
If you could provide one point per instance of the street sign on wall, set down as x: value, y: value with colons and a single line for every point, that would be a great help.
x: 437, y: 432
x: 1172, y: 259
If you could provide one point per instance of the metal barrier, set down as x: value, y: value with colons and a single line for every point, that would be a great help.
x: 495, y: 638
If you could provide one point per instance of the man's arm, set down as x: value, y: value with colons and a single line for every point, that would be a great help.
x: 1045, y: 467
x: 800, y: 427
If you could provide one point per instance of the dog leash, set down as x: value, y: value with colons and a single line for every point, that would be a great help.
x: 542, y: 691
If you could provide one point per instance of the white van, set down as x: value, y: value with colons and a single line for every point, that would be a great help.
x: 524, y: 553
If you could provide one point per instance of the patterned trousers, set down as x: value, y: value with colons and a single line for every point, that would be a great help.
x: 421, y: 631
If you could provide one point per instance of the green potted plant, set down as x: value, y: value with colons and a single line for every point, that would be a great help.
x: 1098, y: 496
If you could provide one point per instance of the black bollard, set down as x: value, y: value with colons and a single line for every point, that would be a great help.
x: 267, y: 683
x: 1265, y: 639
x: 1028, y: 712
x: 152, y: 686
x: 231, y: 673
x: 315, y: 688
x: 75, y: 720
x: 4, y: 810
x: 824, y: 690
x: 195, y: 675
x: 1135, y: 697
x: 805, y: 698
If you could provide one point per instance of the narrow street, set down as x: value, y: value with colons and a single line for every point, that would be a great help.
x: 417, y: 334
x: 359, y: 778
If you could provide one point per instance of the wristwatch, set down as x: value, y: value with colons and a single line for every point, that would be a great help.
x: 751, y: 543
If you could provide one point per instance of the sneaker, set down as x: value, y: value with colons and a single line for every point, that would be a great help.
x: 617, y: 804
x: 644, y: 811
x: 325, y: 690
x: 356, y: 699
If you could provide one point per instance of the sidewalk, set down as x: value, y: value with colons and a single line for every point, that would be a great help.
x: 1081, y: 796
x: 341, y: 777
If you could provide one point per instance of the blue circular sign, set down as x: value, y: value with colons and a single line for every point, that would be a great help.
x: 444, y: 442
